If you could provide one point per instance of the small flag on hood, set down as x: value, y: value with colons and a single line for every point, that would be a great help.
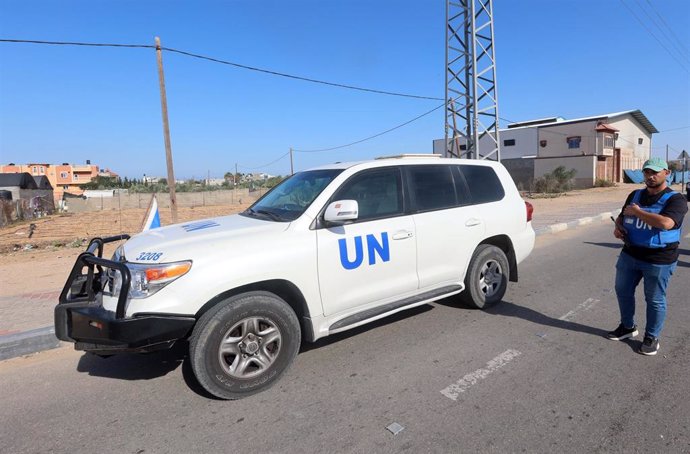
x: 152, y: 219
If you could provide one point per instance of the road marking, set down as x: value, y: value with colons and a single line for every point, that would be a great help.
x: 453, y: 391
x: 584, y: 306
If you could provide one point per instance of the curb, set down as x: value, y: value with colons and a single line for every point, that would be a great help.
x: 41, y: 339
x: 27, y: 342
x: 555, y: 228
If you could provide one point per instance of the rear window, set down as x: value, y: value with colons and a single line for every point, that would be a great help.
x: 433, y: 187
x: 483, y: 183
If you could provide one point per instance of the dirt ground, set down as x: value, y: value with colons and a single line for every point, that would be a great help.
x: 43, y: 261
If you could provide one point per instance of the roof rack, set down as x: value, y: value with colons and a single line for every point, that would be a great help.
x: 410, y: 155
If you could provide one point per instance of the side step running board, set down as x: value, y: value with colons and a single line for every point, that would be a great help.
x: 376, y: 311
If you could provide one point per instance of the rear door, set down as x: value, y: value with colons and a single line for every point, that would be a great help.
x: 448, y: 226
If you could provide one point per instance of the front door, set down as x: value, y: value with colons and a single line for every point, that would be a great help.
x: 373, y: 259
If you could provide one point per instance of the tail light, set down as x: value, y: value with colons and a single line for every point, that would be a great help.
x: 530, y: 210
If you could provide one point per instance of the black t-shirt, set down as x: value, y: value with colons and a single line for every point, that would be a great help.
x: 676, y: 207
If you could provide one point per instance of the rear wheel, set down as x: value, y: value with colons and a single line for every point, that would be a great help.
x: 487, y: 277
x: 243, y: 345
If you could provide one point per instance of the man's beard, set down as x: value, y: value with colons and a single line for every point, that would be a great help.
x: 652, y: 184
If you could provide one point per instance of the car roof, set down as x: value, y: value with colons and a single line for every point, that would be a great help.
x: 415, y: 159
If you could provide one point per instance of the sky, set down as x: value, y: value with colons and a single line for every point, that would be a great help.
x: 568, y: 58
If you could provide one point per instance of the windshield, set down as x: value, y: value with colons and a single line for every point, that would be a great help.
x: 287, y: 201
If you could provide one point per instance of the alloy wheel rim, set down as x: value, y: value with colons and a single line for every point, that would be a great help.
x: 490, y: 278
x: 250, y: 347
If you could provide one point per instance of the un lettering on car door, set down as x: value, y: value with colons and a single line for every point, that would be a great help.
x: 366, y: 262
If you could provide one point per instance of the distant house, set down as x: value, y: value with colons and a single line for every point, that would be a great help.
x: 27, y: 196
x: 598, y: 147
x: 64, y: 178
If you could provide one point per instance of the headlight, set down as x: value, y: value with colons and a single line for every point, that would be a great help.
x: 148, y: 279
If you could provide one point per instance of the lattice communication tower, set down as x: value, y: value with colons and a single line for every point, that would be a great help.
x: 471, y: 92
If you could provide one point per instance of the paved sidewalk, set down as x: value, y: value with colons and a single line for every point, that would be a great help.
x: 26, y: 324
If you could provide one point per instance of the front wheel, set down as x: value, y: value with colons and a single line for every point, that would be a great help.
x: 486, y: 280
x: 244, y: 344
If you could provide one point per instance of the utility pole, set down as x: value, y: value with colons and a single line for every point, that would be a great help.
x: 166, y: 132
x: 471, y: 88
x: 292, y: 171
x: 666, y: 153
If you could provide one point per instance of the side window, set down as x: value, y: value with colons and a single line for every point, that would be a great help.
x: 433, y: 187
x: 483, y: 183
x: 378, y: 193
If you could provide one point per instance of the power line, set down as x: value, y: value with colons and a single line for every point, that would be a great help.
x: 225, y: 62
x: 675, y: 129
x: 374, y: 136
x: 666, y: 36
x: 673, y: 34
x: 263, y: 165
x: 290, y: 76
x: 72, y: 43
x: 653, y: 35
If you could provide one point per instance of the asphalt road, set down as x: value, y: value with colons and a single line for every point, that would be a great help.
x: 533, y: 374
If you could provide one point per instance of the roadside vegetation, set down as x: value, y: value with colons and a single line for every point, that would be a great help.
x: 142, y: 186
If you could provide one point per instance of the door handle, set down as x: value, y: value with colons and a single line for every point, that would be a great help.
x: 402, y: 235
x: 472, y: 222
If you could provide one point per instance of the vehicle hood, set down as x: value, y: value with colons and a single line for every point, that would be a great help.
x: 199, y: 238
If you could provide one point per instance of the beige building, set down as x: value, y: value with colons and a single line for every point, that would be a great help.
x: 598, y: 147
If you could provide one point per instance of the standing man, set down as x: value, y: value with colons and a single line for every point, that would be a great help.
x: 650, y: 226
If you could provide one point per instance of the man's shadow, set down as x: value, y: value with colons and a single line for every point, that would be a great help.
x: 508, y: 309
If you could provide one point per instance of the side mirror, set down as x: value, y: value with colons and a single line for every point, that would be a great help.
x: 341, y: 211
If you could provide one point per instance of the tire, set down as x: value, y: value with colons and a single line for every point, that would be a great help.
x: 486, y: 280
x: 261, y: 336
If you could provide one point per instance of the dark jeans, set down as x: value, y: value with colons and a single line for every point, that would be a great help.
x: 629, y: 273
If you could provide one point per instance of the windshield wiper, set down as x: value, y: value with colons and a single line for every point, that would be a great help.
x: 270, y: 214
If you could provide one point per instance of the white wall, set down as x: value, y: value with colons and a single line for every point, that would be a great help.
x: 556, y: 139
x: 525, y: 143
x: 629, y: 131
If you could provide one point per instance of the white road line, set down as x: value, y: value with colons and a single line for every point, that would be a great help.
x: 453, y: 391
x: 584, y: 306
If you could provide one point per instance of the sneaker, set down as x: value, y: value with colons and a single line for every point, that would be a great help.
x: 649, y: 346
x: 621, y: 333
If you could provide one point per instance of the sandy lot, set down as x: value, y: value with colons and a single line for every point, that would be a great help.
x: 42, y: 262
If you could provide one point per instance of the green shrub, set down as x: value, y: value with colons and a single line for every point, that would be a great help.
x: 555, y: 182
x: 601, y: 183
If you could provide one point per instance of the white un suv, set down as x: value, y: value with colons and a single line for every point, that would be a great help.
x: 326, y: 250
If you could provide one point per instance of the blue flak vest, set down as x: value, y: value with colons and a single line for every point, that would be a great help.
x: 644, y: 235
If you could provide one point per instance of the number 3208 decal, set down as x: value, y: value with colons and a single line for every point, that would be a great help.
x: 149, y: 256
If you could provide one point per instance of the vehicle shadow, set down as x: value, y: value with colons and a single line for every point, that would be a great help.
x: 337, y: 337
x: 508, y: 309
x: 132, y: 366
